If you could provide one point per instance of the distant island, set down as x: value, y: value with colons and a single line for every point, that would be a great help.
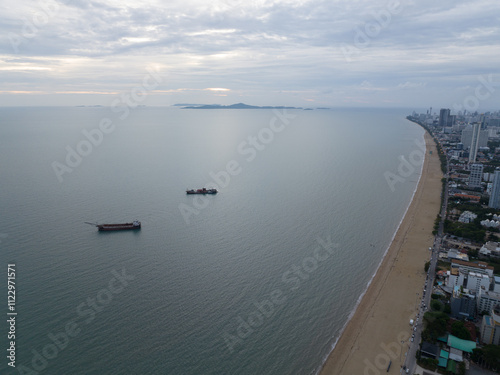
x: 232, y: 106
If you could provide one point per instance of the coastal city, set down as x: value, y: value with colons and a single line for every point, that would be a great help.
x: 456, y: 327
x: 227, y: 187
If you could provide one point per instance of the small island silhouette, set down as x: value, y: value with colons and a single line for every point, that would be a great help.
x: 232, y: 106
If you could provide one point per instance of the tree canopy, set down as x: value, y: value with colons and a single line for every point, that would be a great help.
x: 459, y: 330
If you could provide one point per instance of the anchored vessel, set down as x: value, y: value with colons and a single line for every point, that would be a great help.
x: 110, y: 227
x: 202, y: 191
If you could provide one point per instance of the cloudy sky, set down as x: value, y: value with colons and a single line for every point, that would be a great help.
x: 395, y: 53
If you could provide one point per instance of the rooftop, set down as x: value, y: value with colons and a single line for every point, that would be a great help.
x: 456, y: 355
x: 480, y: 275
x: 444, y: 354
x: 487, y: 319
x: 464, y: 345
x: 455, y: 254
x: 482, y: 265
x: 443, y: 362
x: 430, y: 349
x: 490, y: 294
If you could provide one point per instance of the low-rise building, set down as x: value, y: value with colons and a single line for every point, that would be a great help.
x: 467, y: 217
x: 443, y: 358
x: 490, y: 248
x: 490, y: 223
x: 456, y: 355
x: 460, y: 346
x: 455, y: 254
x: 470, y: 198
x: 429, y: 350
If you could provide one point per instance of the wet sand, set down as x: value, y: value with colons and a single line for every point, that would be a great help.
x: 381, y: 321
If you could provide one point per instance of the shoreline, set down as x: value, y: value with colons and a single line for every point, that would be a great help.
x: 355, y: 349
x: 362, y: 295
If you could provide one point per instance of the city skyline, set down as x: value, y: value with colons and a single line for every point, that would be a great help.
x: 299, y: 53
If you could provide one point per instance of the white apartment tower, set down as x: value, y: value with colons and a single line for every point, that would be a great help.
x: 474, y: 146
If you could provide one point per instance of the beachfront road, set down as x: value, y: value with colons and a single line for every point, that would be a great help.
x: 423, y: 306
x: 410, y: 362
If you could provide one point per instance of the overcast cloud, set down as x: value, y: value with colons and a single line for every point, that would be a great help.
x: 280, y: 52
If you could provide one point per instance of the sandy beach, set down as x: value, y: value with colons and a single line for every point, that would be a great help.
x: 381, y: 320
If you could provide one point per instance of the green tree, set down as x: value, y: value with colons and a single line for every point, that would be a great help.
x: 447, y: 308
x: 473, y: 253
x: 488, y: 355
x: 436, y: 323
x: 461, y: 368
x: 476, y: 355
x: 459, y: 330
x: 492, y: 356
x: 490, y: 237
x: 429, y: 363
x: 426, y: 266
x: 436, y: 305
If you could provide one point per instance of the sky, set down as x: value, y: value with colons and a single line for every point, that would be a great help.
x: 309, y: 53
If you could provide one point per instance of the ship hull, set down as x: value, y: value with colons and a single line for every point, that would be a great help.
x: 115, y: 227
x: 202, y: 191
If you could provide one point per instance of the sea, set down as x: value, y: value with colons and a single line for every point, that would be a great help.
x: 260, y: 278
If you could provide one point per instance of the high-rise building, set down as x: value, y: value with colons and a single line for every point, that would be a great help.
x: 490, y: 327
x: 474, y: 146
x: 444, y: 113
x: 486, y: 299
x: 482, y: 120
x: 495, y: 191
x: 476, y: 174
x: 463, y: 305
x: 452, y: 119
x: 467, y: 137
x: 494, y: 122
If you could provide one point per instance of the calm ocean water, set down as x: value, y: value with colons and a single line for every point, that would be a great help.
x: 236, y: 283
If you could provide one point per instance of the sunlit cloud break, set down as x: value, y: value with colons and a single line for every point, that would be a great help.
x: 217, y: 89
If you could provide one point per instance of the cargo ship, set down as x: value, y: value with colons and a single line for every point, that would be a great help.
x: 202, y: 191
x: 111, y: 227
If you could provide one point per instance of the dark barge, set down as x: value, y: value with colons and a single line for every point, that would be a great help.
x: 112, y: 227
